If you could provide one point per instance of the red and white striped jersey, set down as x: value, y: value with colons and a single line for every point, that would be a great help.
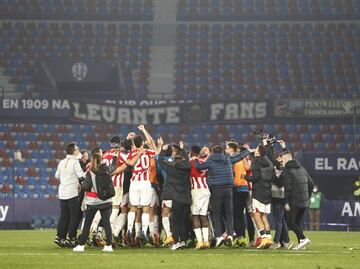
x: 141, y: 169
x: 198, y: 177
x: 107, y: 157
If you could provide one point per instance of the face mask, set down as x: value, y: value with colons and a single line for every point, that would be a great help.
x: 315, y: 190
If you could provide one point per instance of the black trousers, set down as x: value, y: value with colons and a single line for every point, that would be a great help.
x: 68, y: 220
x: 222, y: 198
x: 250, y: 227
x: 105, y: 211
x: 80, y: 213
x: 294, y: 220
x: 179, y: 219
x: 239, y: 204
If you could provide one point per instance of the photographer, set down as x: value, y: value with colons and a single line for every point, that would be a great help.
x: 69, y: 173
x: 298, y: 187
x: 269, y: 140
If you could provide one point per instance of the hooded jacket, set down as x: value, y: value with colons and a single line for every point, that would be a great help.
x: 220, y: 168
x: 298, y: 184
x: 262, y: 176
x: 178, y: 186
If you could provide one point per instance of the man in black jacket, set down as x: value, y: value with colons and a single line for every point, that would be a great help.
x: 179, y: 191
x: 263, y: 173
x: 298, y: 186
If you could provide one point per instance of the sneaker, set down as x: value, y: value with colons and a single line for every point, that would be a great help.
x: 206, y: 245
x: 60, y: 242
x: 265, y: 243
x: 199, y: 245
x: 79, y: 248
x: 229, y: 241
x: 71, y: 243
x: 257, y: 242
x: 169, y: 241
x: 151, y: 240
x: 236, y: 243
x: 117, y: 241
x: 275, y: 245
x: 107, y: 249
x: 178, y: 245
x: 143, y: 239
x: 287, y: 245
x: 303, y: 244
x: 241, y: 242
x: 98, y: 241
x: 156, y: 240
x: 127, y: 238
x: 219, y: 241
x: 269, y: 242
x: 136, y: 242
x: 190, y: 243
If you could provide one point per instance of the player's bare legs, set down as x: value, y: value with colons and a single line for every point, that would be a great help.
x: 153, y: 225
x: 130, y: 225
x: 114, y: 216
x: 165, y: 214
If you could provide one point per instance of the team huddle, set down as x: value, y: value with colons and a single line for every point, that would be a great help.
x: 165, y: 196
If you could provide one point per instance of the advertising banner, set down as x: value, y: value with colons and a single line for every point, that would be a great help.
x: 319, y: 108
x: 333, y: 164
x: 105, y: 112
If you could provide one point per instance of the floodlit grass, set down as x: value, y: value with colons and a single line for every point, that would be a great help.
x: 35, y: 249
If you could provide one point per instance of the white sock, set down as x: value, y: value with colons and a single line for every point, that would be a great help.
x: 120, y: 223
x: 145, y: 219
x: 95, y: 222
x: 113, y: 217
x: 137, y: 229
x: 198, y: 234
x: 166, y: 225
x: 151, y: 227
x: 130, y: 220
x: 205, y: 234
x: 156, y: 224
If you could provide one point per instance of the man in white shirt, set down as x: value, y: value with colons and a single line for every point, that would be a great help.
x: 69, y: 173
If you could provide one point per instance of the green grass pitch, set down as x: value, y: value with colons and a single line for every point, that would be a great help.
x: 35, y: 249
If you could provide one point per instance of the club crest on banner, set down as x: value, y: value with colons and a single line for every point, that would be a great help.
x: 79, y: 71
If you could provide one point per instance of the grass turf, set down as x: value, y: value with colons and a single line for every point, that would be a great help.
x: 35, y: 249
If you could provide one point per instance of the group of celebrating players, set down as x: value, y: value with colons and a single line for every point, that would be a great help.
x: 201, y: 198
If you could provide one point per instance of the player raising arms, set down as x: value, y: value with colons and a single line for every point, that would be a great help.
x: 200, y: 195
x: 140, y: 191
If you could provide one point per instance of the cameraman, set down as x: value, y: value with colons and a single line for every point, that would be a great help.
x: 69, y: 172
